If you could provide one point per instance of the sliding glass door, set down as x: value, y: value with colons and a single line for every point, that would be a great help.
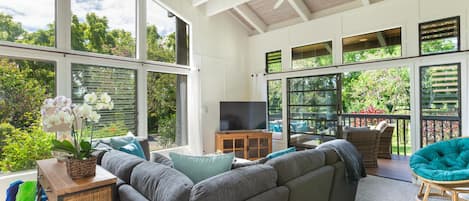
x: 314, y: 105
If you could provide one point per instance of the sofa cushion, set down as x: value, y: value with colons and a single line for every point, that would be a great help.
x: 277, y: 194
x: 120, y: 164
x: 100, y: 150
x: 235, y: 185
x: 198, y: 168
x: 296, y: 164
x: 128, y: 193
x: 315, y: 184
x: 161, y: 159
x: 331, y: 156
x: 160, y: 183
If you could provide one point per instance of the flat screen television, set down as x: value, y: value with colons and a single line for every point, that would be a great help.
x: 243, y: 116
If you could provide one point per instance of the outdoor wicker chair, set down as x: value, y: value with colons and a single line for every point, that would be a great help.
x: 386, y: 131
x: 367, y: 142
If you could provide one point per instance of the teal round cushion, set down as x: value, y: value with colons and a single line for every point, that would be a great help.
x: 443, y: 161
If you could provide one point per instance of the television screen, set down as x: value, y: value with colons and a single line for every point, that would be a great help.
x: 242, y: 116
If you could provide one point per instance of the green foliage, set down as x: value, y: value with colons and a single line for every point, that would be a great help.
x: 162, y: 105
x: 312, y: 62
x: 160, y: 48
x: 439, y: 46
x: 9, y: 29
x: 387, y: 90
x: 21, y: 97
x: 372, y: 54
x: 36, y: 80
x: 111, y: 130
x: 78, y: 152
x: 21, y: 148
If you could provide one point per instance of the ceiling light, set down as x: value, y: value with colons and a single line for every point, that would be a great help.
x: 363, y: 39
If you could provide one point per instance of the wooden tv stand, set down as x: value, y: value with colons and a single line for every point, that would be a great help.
x: 249, y: 145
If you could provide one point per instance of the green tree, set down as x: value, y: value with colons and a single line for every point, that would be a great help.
x: 162, y: 104
x: 21, y: 97
x: 78, y: 34
x: 387, y: 89
x: 9, y: 29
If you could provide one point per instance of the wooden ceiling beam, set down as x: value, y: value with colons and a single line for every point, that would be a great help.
x: 251, y: 17
x: 217, y: 6
x: 366, y: 2
x: 381, y: 39
x: 328, y: 47
x: 300, y: 7
x: 197, y: 3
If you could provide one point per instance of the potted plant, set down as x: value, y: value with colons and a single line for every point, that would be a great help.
x: 77, y: 122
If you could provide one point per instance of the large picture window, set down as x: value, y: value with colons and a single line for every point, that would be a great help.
x: 310, y: 56
x: 24, y: 85
x: 372, y: 46
x: 167, y: 110
x: 28, y: 22
x: 106, y: 27
x: 167, y: 36
x: 120, y: 84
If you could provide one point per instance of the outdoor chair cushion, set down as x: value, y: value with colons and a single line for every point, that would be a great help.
x: 443, y: 161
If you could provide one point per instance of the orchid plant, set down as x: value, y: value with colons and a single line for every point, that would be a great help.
x: 60, y: 115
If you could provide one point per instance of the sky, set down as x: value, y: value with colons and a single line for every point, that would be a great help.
x: 121, y: 14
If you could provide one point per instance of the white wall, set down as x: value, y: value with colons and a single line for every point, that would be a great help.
x: 382, y: 15
x: 219, y: 50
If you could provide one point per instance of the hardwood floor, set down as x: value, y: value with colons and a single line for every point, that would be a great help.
x: 397, y: 168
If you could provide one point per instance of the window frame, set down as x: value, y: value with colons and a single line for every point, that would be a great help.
x: 459, y: 118
x: 401, y: 27
x: 313, y: 43
x: 57, y: 5
x: 457, y: 18
x: 268, y: 102
x: 63, y: 56
x: 267, y: 61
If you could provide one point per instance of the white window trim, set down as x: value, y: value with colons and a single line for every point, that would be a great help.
x: 64, y: 57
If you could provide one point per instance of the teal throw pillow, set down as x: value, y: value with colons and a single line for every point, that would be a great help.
x: 118, y: 142
x: 133, y: 149
x: 198, y: 168
x: 128, y: 144
x: 281, y: 152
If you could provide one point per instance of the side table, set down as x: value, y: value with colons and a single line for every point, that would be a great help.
x: 53, y: 178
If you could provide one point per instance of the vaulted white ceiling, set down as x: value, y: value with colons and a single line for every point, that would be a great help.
x: 260, y: 16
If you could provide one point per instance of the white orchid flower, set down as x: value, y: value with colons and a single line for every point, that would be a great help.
x: 90, y: 98
x: 105, y: 98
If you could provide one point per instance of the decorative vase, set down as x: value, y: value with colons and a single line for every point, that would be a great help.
x: 78, y: 169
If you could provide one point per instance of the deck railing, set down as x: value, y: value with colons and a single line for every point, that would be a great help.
x: 439, y: 128
x: 401, y: 141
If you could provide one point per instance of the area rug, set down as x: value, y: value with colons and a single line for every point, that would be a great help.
x: 374, y: 188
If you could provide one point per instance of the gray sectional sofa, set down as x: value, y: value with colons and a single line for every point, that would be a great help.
x: 312, y: 175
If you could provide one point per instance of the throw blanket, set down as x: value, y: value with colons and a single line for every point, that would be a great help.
x: 354, y: 169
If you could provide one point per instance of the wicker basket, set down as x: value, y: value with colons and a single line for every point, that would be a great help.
x: 77, y: 169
